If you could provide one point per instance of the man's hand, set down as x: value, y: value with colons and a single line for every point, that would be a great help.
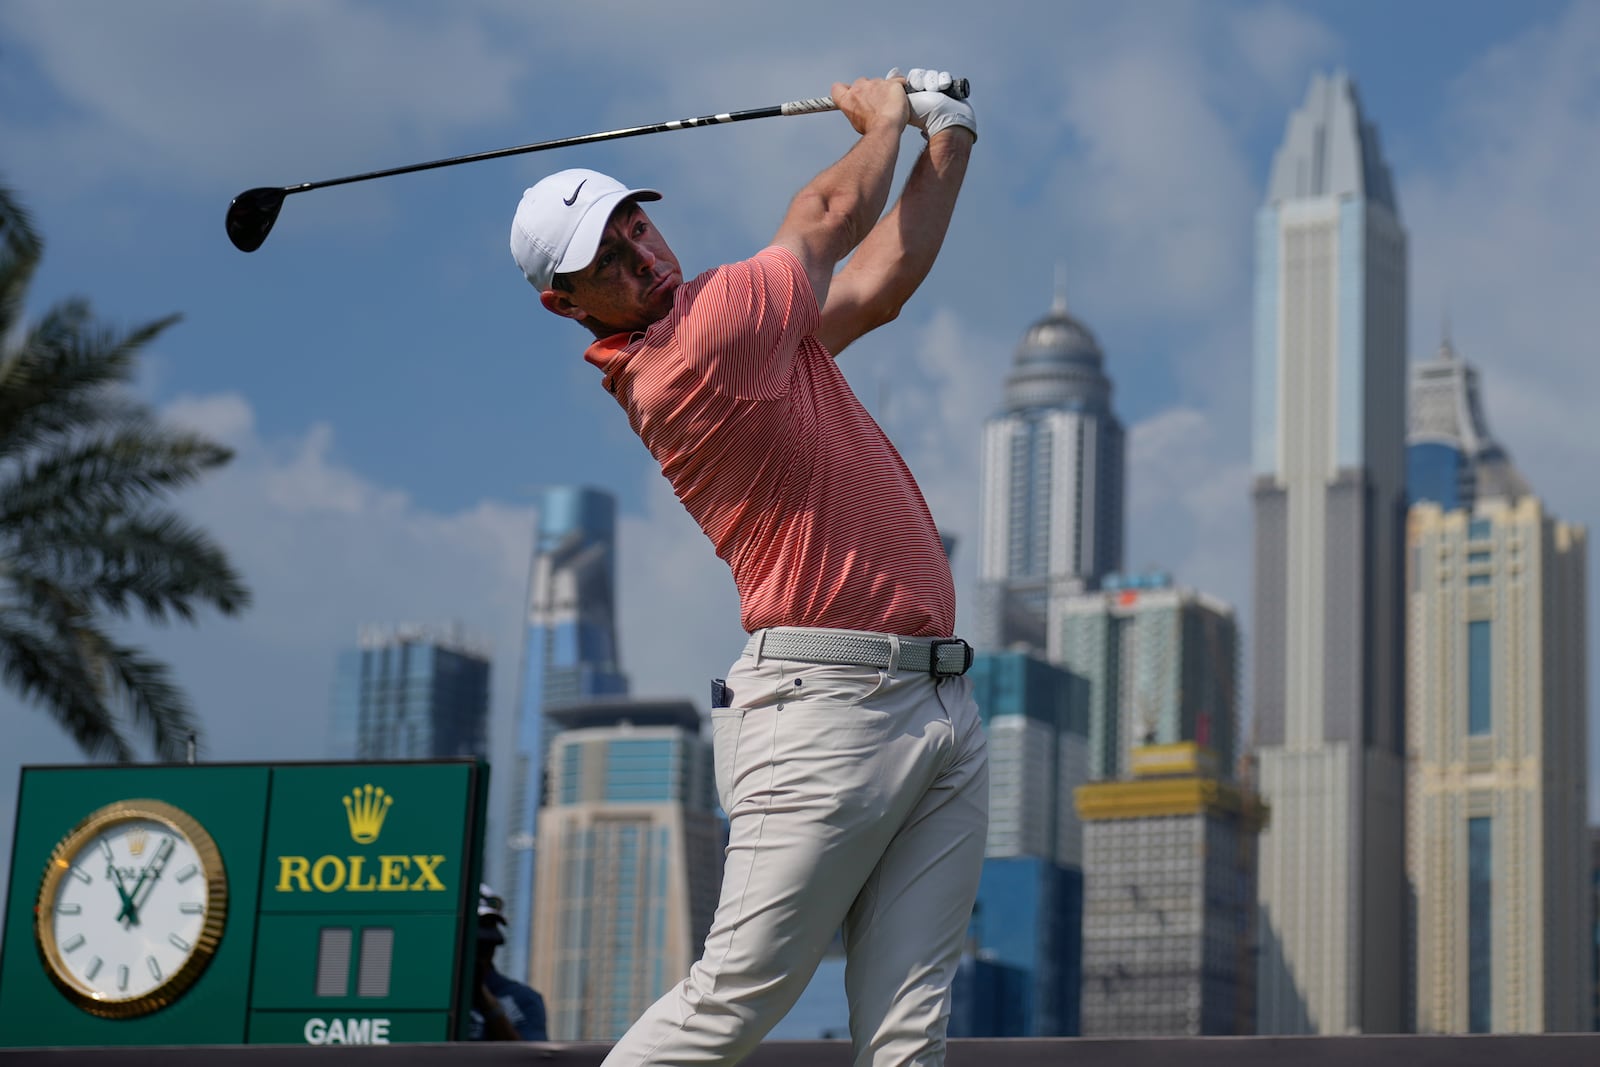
x: 931, y: 110
x: 872, y: 102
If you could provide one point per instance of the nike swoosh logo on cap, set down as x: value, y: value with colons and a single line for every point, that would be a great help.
x: 573, y: 199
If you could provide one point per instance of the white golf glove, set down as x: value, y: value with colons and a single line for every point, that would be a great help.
x: 931, y: 109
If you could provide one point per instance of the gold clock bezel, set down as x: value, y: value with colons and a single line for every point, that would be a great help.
x: 61, y: 857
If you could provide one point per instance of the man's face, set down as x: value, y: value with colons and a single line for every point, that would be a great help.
x: 630, y: 282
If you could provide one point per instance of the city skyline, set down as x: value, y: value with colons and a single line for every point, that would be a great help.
x: 1141, y: 172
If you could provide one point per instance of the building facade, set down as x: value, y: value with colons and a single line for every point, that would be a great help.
x: 569, y: 654
x: 410, y: 692
x: 1169, y: 899
x: 1028, y: 915
x: 1498, y: 787
x: 630, y: 862
x: 1328, y: 452
x: 1052, y: 484
x: 1159, y: 663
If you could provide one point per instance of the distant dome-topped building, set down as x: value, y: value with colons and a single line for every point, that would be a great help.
x: 1058, y: 364
x: 1052, y: 482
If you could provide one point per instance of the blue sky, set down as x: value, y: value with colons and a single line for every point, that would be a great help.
x: 396, y: 395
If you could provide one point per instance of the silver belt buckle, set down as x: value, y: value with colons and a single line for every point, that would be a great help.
x: 933, y: 657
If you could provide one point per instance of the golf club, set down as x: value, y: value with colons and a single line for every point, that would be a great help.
x: 253, y: 212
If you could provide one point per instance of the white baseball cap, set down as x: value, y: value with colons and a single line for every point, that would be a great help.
x: 560, y: 221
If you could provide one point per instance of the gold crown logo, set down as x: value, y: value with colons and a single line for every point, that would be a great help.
x: 365, y: 807
x: 136, y: 841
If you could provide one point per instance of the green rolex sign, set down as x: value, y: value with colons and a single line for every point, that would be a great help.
x: 319, y: 903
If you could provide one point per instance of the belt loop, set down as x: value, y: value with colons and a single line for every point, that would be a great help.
x: 894, y: 653
x: 761, y: 639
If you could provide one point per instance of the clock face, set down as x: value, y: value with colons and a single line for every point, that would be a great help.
x: 131, y: 908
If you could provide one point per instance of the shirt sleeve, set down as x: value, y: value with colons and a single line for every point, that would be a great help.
x: 744, y: 322
x: 531, y: 1027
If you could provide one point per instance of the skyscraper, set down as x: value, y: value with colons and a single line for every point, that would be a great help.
x: 1029, y: 911
x: 1497, y: 789
x: 1159, y: 664
x: 570, y: 654
x: 1329, y: 495
x: 1169, y: 898
x: 410, y: 692
x: 630, y: 862
x: 1052, y: 484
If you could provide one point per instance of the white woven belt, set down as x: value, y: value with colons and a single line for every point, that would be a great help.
x: 942, y: 657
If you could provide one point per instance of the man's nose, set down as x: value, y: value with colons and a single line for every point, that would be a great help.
x: 646, y: 258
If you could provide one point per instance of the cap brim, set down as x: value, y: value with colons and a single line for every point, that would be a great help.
x: 592, y: 227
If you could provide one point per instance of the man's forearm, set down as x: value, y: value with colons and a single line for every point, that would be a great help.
x: 897, y: 254
x: 840, y: 206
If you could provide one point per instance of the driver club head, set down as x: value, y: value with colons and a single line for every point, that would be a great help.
x: 251, y: 215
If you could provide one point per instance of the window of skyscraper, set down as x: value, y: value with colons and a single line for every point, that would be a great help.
x: 1479, y: 677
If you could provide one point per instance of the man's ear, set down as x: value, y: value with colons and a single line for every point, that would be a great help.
x: 560, y: 303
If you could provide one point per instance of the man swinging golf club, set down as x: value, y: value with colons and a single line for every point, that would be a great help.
x: 849, y: 754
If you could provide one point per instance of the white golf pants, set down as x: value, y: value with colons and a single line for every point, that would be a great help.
x: 856, y: 797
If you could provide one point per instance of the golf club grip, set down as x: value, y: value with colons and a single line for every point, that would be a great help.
x: 960, y: 89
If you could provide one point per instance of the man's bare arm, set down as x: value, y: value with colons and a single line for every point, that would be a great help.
x: 839, y: 207
x: 896, y: 256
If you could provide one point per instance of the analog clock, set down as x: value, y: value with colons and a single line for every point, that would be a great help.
x: 131, y: 908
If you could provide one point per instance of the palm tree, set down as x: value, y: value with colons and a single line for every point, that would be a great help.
x: 84, y: 538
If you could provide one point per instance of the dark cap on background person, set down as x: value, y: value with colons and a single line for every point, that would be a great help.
x: 491, y: 915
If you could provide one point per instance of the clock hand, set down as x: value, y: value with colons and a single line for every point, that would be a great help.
x: 127, y: 901
x: 129, y: 910
x: 152, y: 871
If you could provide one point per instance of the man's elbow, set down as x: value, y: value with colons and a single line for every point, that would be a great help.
x: 883, y: 313
x: 825, y: 224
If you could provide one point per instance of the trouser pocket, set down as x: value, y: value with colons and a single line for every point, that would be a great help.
x: 726, y: 725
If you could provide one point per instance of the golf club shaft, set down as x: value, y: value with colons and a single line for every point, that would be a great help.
x: 793, y: 107
x: 252, y: 213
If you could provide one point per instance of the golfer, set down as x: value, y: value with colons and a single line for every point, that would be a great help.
x: 849, y: 754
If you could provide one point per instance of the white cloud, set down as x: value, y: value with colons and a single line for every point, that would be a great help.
x: 1189, y: 503
x: 328, y: 78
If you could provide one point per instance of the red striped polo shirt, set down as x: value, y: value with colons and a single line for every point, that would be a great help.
x: 768, y: 448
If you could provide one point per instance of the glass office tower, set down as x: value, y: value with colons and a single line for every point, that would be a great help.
x: 1160, y: 663
x: 570, y: 654
x: 410, y: 692
x: 630, y: 862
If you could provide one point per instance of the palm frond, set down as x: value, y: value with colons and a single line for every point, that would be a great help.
x: 154, y: 560
x: 20, y: 250
x: 63, y: 377
x: 145, y: 687
x: 45, y: 671
x: 119, y: 469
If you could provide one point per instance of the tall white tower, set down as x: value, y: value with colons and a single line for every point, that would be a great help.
x: 1052, y: 484
x: 1329, y: 496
